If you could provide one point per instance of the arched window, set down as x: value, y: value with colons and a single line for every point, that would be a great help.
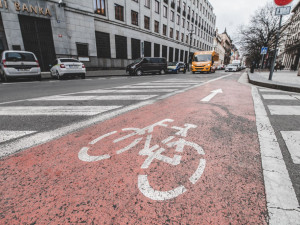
x: 100, y: 7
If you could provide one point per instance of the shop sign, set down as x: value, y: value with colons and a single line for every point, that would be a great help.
x: 26, y: 7
x: 23, y: 7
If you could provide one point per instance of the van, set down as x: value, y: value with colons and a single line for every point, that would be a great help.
x: 147, y: 65
x: 203, y: 61
x: 19, y: 64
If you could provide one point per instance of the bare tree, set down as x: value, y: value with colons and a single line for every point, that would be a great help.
x: 261, y: 32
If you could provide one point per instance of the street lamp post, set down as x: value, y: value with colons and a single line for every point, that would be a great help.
x: 190, y: 45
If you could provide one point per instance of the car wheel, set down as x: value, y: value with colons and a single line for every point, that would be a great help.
x: 83, y: 76
x: 177, y: 71
x: 162, y: 72
x: 139, y: 73
x: 5, y: 78
x: 39, y: 77
x: 194, y: 72
x: 58, y: 77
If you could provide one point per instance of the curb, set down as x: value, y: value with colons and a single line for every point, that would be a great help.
x: 279, y: 86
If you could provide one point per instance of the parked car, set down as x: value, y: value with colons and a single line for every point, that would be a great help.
x: 67, y: 67
x: 176, y: 67
x: 231, y: 68
x: 147, y: 65
x: 19, y: 64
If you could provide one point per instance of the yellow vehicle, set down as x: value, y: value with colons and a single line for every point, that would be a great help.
x: 204, y: 61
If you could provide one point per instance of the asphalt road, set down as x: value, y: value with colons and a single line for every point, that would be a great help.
x: 173, y: 149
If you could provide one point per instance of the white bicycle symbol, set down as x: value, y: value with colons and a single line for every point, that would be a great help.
x: 153, y: 153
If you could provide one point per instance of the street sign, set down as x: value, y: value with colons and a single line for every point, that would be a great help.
x: 282, y: 2
x: 281, y: 11
x: 264, y: 50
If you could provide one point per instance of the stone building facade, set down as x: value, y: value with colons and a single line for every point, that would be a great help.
x: 291, y: 50
x: 227, y: 44
x: 219, y: 48
x: 106, y: 33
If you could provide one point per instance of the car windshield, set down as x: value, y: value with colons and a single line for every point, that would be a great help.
x: 19, y: 56
x: 69, y: 60
x: 137, y: 61
x: 172, y: 63
x: 202, y: 58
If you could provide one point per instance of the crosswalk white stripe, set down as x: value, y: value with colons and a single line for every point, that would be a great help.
x: 284, y: 110
x: 127, y: 91
x: 152, y: 86
x: 94, y: 98
x: 165, y: 83
x: 6, y: 135
x: 279, y: 97
x: 55, y: 110
x: 292, y: 140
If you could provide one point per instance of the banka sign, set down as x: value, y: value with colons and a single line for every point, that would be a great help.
x: 26, y: 7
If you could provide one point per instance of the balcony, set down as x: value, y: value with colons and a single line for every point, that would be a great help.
x: 188, y: 16
x: 173, y: 5
x: 178, y: 9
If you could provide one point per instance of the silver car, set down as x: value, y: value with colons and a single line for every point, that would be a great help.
x: 19, y: 64
x: 64, y: 67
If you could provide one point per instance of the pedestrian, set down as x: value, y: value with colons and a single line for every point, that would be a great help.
x: 252, y: 67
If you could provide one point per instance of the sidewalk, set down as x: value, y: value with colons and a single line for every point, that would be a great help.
x: 97, y: 73
x: 282, y: 80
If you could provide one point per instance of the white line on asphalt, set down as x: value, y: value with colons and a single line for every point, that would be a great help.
x: 55, y: 110
x: 279, y: 97
x: 94, y: 98
x: 282, y: 202
x: 292, y: 141
x: 149, y: 87
x: 6, y: 135
x: 127, y: 91
x: 283, y: 110
x: 270, y: 90
x: 43, y: 137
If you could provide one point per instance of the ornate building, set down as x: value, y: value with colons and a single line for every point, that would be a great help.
x: 107, y: 33
x: 291, y: 53
x: 226, y: 43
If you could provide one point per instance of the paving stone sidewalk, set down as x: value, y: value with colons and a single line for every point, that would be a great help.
x: 282, y: 80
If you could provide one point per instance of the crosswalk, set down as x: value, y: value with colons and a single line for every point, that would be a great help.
x: 282, y: 104
x: 81, y: 104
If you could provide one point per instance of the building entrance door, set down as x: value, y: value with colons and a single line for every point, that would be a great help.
x: 37, y: 37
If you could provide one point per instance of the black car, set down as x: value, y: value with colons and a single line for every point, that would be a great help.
x: 147, y: 65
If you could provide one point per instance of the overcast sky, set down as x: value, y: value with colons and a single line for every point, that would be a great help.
x: 232, y: 13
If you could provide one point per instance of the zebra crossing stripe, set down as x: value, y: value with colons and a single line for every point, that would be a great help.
x: 127, y: 91
x: 292, y: 141
x: 151, y: 87
x: 6, y: 135
x: 279, y: 97
x: 94, y: 98
x: 282, y: 110
x: 55, y: 110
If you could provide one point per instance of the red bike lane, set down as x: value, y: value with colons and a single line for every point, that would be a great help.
x: 190, y: 162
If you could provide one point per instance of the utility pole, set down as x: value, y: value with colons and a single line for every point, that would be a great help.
x: 191, y: 39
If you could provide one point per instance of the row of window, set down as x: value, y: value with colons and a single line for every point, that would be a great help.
x: 104, y: 50
x: 119, y: 14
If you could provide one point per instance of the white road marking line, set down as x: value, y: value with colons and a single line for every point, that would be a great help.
x: 270, y: 90
x: 7, y: 135
x: 128, y: 91
x: 282, y: 203
x: 55, y: 110
x: 279, y: 97
x: 284, y: 110
x: 43, y: 137
x: 292, y: 141
x: 94, y: 98
x: 164, y: 83
x: 150, y: 87
x: 212, y: 95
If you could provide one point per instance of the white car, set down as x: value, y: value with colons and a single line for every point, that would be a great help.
x: 231, y: 68
x: 19, y: 64
x: 65, y: 67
